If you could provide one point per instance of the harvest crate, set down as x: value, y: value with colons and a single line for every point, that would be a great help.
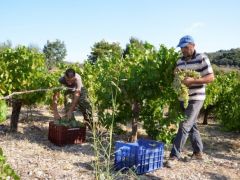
x: 142, y: 156
x: 62, y: 135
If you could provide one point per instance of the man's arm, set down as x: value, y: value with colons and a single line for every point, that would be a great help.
x: 74, y: 103
x: 54, y: 105
x: 203, y: 80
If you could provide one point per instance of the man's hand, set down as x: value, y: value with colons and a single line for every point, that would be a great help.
x: 54, y: 106
x: 74, y: 104
x: 188, y: 81
x: 69, y: 115
x: 57, y: 116
x: 176, y: 70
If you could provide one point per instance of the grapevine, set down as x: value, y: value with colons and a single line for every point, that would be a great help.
x: 3, y: 111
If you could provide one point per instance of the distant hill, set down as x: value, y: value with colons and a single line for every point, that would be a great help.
x: 226, y: 57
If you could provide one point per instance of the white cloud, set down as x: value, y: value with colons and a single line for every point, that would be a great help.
x: 194, y: 27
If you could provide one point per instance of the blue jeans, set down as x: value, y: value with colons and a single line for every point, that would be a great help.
x: 188, y: 128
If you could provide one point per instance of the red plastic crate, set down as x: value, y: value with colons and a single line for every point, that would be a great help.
x: 61, y: 135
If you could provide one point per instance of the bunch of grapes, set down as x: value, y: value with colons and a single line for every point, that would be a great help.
x: 180, y: 88
x: 3, y: 110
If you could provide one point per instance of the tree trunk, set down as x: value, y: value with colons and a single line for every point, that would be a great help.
x: 201, y: 115
x: 205, y: 121
x: 206, y: 113
x: 135, y: 110
x: 16, y: 108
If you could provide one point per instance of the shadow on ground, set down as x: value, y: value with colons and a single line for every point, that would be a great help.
x: 39, y: 135
x: 215, y: 176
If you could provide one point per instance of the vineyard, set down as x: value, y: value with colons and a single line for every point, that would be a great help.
x: 131, y: 88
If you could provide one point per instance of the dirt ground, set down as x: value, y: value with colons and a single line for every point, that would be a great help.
x: 33, y: 156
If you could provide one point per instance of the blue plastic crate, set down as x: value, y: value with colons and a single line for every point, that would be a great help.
x: 142, y: 156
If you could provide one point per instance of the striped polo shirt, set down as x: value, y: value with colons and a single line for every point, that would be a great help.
x: 201, y: 64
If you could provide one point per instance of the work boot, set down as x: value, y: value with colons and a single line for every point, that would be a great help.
x: 171, y: 162
x: 197, y: 156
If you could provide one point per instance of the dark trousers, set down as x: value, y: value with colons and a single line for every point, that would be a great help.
x: 83, y: 106
x: 188, y: 128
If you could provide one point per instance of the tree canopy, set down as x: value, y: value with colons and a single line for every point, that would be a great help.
x: 226, y: 57
x: 54, y: 52
x: 103, y: 48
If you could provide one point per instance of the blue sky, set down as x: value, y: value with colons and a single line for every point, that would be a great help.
x: 213, y: 24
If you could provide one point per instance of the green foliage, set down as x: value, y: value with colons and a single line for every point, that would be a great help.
x: 157, y: 125
x: 104, y: 49
x: 62, y: 67
x: 6, y: 172
x: 71, y: 123
x: 137, y: 43
x: 226, y: 57
x: 142, y: 77
x: 3, y: 111
x: 23, y: 69
x: 229, y: 112
x: 222, y: 84
x: 223, y: 94
x: 54, y: 52
x: 99, y: 79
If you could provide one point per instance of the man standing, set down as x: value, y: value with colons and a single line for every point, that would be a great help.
x: 75, y: 97
x: 198, y: 62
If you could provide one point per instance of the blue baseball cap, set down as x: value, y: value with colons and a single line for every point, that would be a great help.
x: 185, y: 40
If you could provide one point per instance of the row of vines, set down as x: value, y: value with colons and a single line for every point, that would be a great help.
x: 23, y: 69
x: 142, y: 75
